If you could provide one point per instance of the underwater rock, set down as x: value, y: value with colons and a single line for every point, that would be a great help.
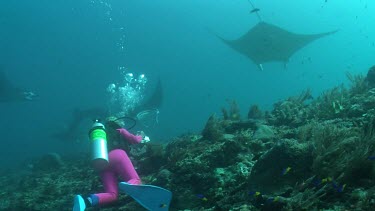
x: 264, y: 132
x: 371, y: 76
x: 50, y: 161
x: 224, y: 154
x: 281, y: 167
x: 255, y: 112
x: 234, y: 126
x: 212, y: 131
x: 163, y: 177
x: 223, y: 177
x: 151, y: 159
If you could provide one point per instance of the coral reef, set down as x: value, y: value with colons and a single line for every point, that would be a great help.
x: 293, y: 111
x: 234, y: 111
x: 255, y: 112
x: 305, y: 154
x: 371, y: 76
x: 213, y: 130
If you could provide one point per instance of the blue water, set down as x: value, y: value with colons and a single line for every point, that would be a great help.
x: 68, y: 51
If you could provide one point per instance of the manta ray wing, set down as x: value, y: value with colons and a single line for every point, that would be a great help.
x: 153, y: 101
x: 8, y: 92
x: 5, y: 85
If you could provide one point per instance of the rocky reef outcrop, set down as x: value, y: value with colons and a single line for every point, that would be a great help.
x: 305, y: 154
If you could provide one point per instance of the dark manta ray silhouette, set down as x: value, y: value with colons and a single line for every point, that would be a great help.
x: 73, y: 131
x: 266, y: 42
x: 154, y: 101
x: 10, y: 93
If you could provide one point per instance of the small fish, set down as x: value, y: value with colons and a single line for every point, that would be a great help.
x: 254, y: 193
x: 285, y: 170
x: 316, y: 182
x: 162, y: 205
x: 201, y: 196
x: 339, y: 188
x: 272, y: 199
x: 327, y: 179
x: 372, y: 157
x: 255, y: 10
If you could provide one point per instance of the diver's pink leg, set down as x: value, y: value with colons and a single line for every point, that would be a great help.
x: 109, y: 180
x: 119, y: 164
x: 124, y: 167
x: 133, y: 139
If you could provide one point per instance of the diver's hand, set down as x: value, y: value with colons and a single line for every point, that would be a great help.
x: 145, y: 138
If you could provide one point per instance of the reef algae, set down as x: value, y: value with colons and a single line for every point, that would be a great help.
x: 305, y: 154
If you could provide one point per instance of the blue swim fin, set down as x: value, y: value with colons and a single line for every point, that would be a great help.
x: 79, y: 203
x: 151, y: 197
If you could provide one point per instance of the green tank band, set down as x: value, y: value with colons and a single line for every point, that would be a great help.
x: 98, y: 134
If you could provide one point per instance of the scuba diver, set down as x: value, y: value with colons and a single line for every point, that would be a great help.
x: 116, y: 163
x: 10, y: 93
x: 110, y: 159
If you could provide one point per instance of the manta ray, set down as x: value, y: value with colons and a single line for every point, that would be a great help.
x: 11, y: 93
x: 266, y: 43
x: 73, y: 130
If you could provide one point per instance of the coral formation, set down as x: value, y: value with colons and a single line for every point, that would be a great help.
x: 213, y: 130
x: 255, y: 112
x: 234, y: 111
x: 371, y: 76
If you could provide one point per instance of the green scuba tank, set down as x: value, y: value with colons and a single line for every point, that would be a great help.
x: 98, y: 145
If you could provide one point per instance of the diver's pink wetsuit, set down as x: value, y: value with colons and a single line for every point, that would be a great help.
x: 119, y: 165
